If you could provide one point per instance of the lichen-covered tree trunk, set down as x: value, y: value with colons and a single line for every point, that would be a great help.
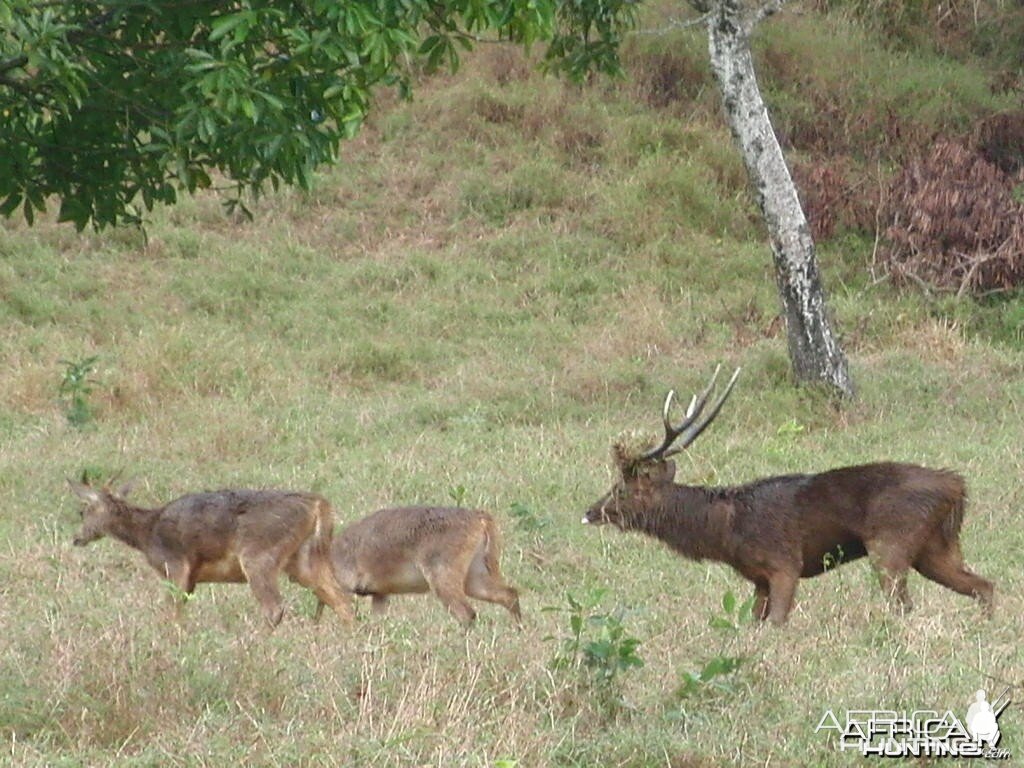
x: 813, y: 348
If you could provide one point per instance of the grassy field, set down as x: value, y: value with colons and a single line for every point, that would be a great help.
x: 496, y: 281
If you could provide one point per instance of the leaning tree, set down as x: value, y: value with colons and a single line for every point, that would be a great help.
x: 113, y: 106
x: 813, y: 348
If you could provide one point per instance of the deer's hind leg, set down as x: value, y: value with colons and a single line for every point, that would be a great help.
x: 484, y: 584
x: 447, y: 580
x: 944, y: 564
x: 262, y: 572
x: 313, y: 571
x: 379, y: 605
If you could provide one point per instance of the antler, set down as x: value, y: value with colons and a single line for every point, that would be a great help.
x: 690, y: 428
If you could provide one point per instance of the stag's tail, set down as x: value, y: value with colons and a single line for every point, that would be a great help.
x: 956, y: 494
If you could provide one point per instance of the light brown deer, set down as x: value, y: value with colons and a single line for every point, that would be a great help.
x: 225, y: 536
x: 451, y: 552
x: 780, y: 529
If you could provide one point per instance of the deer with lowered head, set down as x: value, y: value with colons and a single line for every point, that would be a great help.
x: 778, y: 530
x: 225, y: 536
x: 452, y: 552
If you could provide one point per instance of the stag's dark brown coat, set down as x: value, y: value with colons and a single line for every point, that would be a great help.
x: 780, y: 529
x: 226, y: 536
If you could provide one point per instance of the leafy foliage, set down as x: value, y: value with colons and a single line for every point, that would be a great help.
x: 598, y: 641
x: 75, y: 387
x: 526, y: 518
x: 716, y: 673
x: 118, y: 105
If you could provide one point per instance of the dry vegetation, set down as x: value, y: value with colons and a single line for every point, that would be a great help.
x: 957, y: 222
x: 496, y: 280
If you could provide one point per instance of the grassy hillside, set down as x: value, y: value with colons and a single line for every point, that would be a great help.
x: 497, y: 280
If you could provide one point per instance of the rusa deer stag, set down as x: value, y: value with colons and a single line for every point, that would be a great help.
x: 451, y: 552
x: 780, y: 529
x: 225, y: 536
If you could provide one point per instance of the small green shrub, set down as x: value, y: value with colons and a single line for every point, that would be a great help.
x: 526, y: 517
x: 597, y: 641
x: 716, y: 673
x: 458, y: 494
x: 75, y: 388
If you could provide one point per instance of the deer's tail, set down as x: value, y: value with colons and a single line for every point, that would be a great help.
x: 491, y: 544
x: 957, y: 496
x: 323, y: 528
x: 320, y: 551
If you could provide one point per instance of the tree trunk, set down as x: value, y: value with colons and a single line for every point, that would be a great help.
x: 813, y: 348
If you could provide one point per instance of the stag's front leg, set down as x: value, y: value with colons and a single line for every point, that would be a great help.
x: 782, y: 590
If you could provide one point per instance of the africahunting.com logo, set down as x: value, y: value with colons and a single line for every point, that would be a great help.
x: 922, y: 733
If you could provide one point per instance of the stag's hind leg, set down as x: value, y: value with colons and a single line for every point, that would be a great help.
x: 944, y: 564
x: 891, y: 563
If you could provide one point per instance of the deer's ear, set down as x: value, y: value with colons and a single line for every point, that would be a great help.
x: 125, y: 489
x: 83, y: 491
x: 670, y: 471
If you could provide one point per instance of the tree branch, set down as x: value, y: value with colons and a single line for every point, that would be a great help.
x: 762, y: 12
x: 676, y: 24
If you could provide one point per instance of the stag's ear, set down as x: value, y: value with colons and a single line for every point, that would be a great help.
x: 84, y: 491
x: 670, y: 471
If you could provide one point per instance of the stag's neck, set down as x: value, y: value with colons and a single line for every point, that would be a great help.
x: 132, y: 525
x: 695, y: 521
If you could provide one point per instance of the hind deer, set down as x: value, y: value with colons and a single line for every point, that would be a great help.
x: 225, y: 536
x: 451, y: 552
x: 778, y: 530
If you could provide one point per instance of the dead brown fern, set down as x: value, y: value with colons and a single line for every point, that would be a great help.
x: 956, y: 222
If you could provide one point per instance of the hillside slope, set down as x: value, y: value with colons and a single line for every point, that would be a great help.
x: 497, y: 280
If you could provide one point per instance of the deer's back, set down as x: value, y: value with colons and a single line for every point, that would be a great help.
x: 409, y: 528
x: 214, y: 523
x: 884, y: 496
x: 389, y: 551
x: 829, y: 516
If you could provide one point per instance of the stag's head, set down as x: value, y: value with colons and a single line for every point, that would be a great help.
x: 644, y: 475
x: 101, y: 505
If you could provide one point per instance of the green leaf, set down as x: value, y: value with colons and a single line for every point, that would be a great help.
x: 728, y: 602
x: 10, y: 204
x: 74, y: 210
x: 225, y: 24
